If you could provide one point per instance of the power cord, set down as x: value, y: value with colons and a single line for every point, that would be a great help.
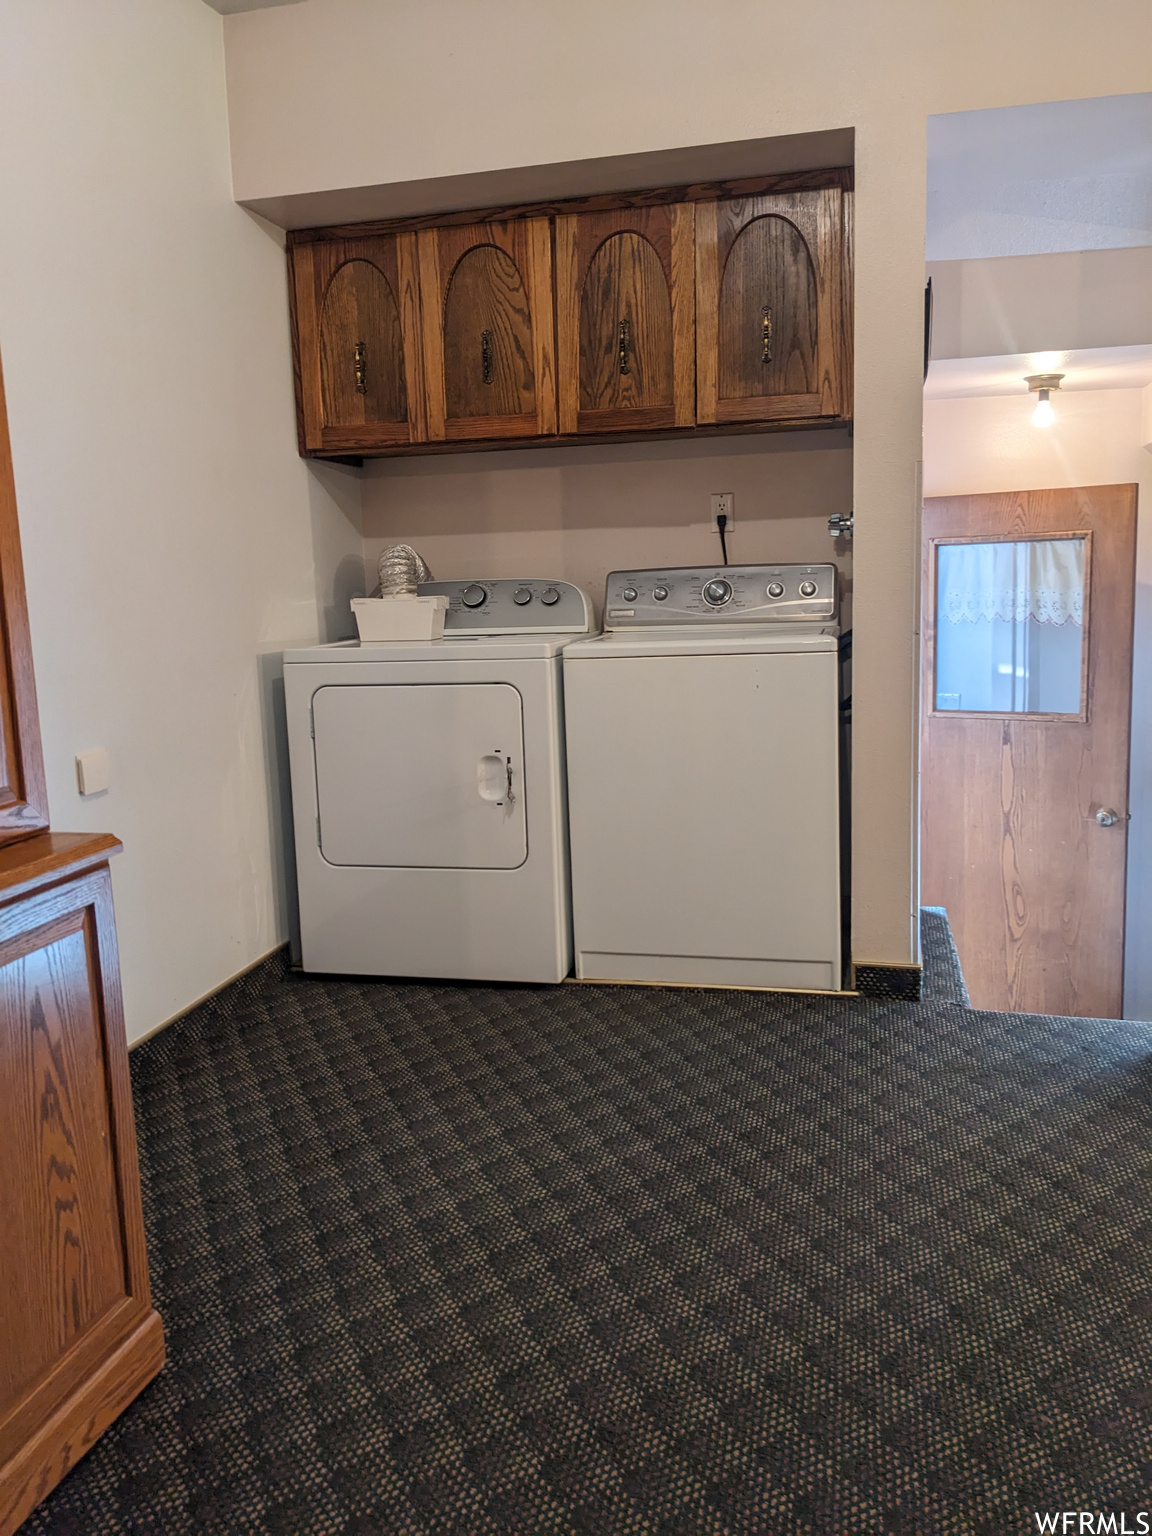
x: 721, y: 524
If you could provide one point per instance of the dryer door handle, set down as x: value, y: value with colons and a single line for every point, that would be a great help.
x: 494, y: 779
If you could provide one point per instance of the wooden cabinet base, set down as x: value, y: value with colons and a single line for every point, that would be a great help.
x: 75, y: 1427
x: 78, y: 1335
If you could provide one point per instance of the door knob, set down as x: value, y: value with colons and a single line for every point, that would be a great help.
x: 1107, y: 818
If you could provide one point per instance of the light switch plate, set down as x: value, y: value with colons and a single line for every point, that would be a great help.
x: 92, y: 771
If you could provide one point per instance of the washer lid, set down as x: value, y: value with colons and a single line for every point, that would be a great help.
x: 692, y: 641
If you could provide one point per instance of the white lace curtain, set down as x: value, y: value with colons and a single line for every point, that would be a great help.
x: 1040, y: 579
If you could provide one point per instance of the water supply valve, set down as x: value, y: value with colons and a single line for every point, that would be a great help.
x: 840, y: 525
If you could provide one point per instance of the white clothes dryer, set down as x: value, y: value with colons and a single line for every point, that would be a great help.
x: 428, y: 791
x: 704, y: 781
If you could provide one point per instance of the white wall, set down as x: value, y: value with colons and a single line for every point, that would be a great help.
x: 577, y: 513
x: 1060, y: 303
x: 990, y: 444
x: 357, y: 93
x: 173, y: 541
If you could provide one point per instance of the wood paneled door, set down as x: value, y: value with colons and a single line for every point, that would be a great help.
x: 358, y: 343
x: 23, y: 796
x: 1027, y: 662
x: 624, y: 319
x: 78, y: 1336
x: 486, y: 292
x: 772, y: 332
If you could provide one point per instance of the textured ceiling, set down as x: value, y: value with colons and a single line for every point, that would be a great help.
x: 1033, y: 180
x: 230, y: 7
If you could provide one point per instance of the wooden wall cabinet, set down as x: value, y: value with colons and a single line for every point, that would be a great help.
x: 624, y: 320
x: 486, y: 295
x: 772, y: 339
x: 357, y: 342
x: 713, y: 308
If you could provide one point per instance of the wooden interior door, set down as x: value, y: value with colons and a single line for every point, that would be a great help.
x: 357, y: 318
x: 772, y: 333
x: 1024, y: 741
x: 486, y: 295
x: 624, y: 319
x: 23, y: 793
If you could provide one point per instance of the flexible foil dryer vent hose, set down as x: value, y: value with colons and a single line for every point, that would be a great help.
x: 400, y: 569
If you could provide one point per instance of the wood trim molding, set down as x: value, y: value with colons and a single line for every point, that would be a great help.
x: 749, y: 186
x: 24, y: 803
x: 79, y: 1422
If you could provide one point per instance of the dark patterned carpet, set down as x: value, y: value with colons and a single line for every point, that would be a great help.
x: 943, y: 979
x: 473, y: 1259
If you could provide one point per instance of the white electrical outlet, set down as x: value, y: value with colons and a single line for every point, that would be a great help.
x: 723, y: 504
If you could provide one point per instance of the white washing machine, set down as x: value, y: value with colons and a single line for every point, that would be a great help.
x: 704, y: 779
x: 428, y: 791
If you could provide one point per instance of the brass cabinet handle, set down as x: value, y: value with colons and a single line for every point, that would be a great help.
x: 766, y: 333
x: 361, y: 370
x: 486, y: 355
x: 625, y: 344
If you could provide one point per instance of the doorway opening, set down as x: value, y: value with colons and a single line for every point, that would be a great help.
x: 1036, y: 707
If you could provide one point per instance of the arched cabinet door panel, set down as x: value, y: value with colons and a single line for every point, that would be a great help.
x: 773, y: 327
x: 362, y: 376
x: 358, y: 343
x: 486, y: 293
x: 624, y: 319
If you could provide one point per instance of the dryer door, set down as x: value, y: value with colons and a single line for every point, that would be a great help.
x: 424, y: 775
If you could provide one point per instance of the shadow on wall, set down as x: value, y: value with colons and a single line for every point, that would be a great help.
x: 578, y: 512
x: 334, y: 493
x: 280, y: 825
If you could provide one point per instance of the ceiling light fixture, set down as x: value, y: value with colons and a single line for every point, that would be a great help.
x: 1043, y: 384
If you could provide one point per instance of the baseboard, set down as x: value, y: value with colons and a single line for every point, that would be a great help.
x: 207, y: 997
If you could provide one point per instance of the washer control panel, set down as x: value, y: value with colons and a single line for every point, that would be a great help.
x: 723, y: 594
x: 505, y: 607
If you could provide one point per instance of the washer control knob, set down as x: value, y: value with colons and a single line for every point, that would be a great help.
x: 659, y: 593
x: 473, y: 596
x: 549, y: 596
x: 775, y: 589
x: 522, y: 595
x: 807, y: 589
x: 629, y: 594
x: 717, y: 593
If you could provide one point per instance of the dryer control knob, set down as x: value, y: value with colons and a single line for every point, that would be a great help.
x: 473, y: 596
x: 660, y: 593
x: 549, y: 596
x: 522, y: 595
x: 717, y: 593
x: 775, y: 589
x: 807, y: 589
x: 629, y: 594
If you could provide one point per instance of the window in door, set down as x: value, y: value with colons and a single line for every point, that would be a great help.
x: 1010, y: 626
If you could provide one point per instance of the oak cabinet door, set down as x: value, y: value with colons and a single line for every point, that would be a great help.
x: 486, y: 298
x: 772, y: 316
x: 624, y: 285
x: 78, y: 1336
x: 358, y: 343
